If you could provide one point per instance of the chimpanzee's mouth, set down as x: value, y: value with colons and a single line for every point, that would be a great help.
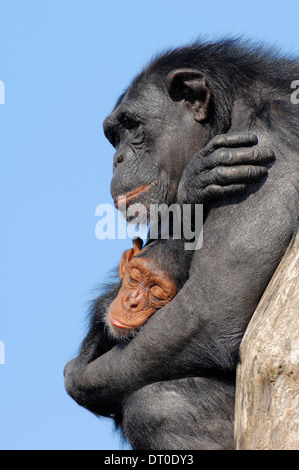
x: 131, y: 195
x: 118, y: 324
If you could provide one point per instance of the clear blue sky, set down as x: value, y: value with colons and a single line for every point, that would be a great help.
x: 63, y: 64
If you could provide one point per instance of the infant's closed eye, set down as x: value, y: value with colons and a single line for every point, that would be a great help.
x: 135, y: 275
x: 158, y: 293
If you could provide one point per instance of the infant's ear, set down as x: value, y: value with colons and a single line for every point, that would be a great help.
x: 137, y: 246
x: 128, y: 255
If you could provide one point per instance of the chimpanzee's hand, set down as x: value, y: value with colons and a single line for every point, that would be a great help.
x: 225, y: 166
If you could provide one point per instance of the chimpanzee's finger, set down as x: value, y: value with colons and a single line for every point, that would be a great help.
x: 245, y: 139
x: 230, y: 175
x: 214, y: 192
x: 240, y: 156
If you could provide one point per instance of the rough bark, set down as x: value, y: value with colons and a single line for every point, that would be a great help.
x: 267, y: 391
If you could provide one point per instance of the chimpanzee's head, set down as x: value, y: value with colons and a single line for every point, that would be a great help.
x: 156, y: 127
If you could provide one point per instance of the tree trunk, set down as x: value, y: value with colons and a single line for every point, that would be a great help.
x: 267, y: 391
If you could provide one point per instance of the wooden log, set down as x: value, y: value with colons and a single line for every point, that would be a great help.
x: 267, y: 388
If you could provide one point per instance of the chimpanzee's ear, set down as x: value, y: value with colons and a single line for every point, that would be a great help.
x: 128, y: 255
x: 190, y: 85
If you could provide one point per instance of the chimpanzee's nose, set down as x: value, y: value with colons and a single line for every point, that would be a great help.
x: 123, y: 155
x: 134, y: 301
x: 118, y: 158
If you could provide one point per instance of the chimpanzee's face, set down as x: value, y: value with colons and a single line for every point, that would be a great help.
x: 154, y: 136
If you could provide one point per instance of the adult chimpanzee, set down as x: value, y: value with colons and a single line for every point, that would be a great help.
x: 172, y: 385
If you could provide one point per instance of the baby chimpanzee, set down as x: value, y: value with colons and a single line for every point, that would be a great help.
x: 151, y: 277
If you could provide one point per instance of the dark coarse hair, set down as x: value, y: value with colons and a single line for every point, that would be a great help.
x: 234, y: 69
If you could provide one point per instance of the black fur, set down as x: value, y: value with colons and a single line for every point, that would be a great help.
x: 172, y: 385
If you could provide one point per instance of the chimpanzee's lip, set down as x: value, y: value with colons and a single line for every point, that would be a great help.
x: 118, y: 324
x: 130, y: 195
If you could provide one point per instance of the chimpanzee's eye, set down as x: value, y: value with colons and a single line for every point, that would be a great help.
x: 157, y: 292
x: 135, y: 275
x: 130, y: 123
